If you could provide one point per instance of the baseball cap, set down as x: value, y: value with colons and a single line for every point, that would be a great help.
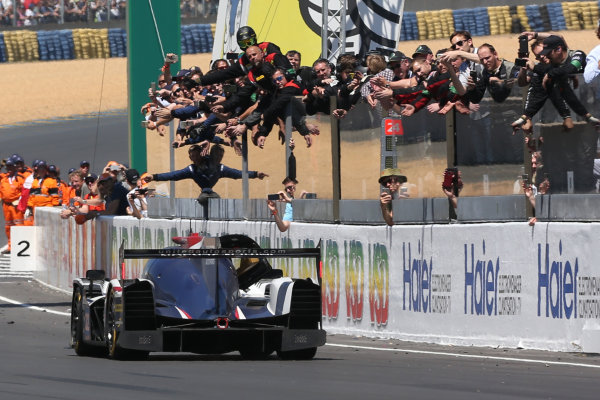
x: 90, y: 178
x: 397, y: 56
x: 71, y: 170
x: 551, y: 43
x: 81, y: 164
x: 182, y: 74
x: 132, y: 175
x: 422, y: 50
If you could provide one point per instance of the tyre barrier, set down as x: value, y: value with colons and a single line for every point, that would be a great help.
x: 69, y: 44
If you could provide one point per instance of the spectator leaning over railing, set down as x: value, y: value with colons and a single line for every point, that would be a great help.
x: 205, y: 171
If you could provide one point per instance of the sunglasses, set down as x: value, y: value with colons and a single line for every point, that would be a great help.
x: 278, y: 79
x: 390, y: 180
x: 458, y: 44
x: 244, y: 43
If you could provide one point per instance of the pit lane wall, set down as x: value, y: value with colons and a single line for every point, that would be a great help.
x: 505, y: 284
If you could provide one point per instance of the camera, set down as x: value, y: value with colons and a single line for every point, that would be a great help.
x: 230, y: 89
x: 232, y: 56
x: 450, y: 178
x: 171, y: 58
x: 520, y: 62
x: 186, y: 124
x: 273, y: 197
x: 474, y: 76
x: 523, y: 49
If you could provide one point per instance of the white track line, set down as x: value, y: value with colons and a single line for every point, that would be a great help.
x: 36, y: 308
x: 439, y: 353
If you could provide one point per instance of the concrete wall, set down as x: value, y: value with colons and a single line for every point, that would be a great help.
x: 487, y: 285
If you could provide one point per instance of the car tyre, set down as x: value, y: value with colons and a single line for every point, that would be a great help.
x: 77, y: 320
x: 302, y: 354
x: 115, y: 351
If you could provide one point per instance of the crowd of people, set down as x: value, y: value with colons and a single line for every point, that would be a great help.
x: 256, y: 90
x: 38, y: 12
x: 116, y: 190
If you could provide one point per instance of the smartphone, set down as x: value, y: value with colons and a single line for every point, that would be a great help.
x: 525, y: 178
x: 172, y: 58
x: 520, y: 62
x: 474, y: 76
x: 273, y: 197
x: 145, y: 124
x: 387, y: 191
x: 187, y: 124
x: 310, y: 196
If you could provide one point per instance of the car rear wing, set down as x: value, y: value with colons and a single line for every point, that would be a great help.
x: 314, y: 252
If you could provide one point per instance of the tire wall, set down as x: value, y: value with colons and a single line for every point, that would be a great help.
x: 508, y: 284
x: 71, y: 44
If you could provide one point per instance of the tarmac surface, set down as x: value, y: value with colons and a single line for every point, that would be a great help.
x: 37, y: 362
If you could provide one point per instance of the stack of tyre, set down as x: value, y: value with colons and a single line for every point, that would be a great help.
x: 474, y: 20
x: 410, y: 28
x: 55, y: 45
x: 117, y: 42
x: 90, y: 43
x: 580, y: 14
x: 196, y: 38
x: 21, y: 46
x: 434, y: 24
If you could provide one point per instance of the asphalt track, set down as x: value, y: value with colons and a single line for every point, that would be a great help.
x: 66, y: 142
x: 36, y: 362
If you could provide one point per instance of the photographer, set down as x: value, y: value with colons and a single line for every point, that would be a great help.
x: 286, y: 195
x: 452, y: 186
x: 392, y: 179
x: 497, y: 76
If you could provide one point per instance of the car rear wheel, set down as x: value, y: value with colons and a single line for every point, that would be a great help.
x: 77, y: 320
x: 303, y: 354
x: 115, y: 351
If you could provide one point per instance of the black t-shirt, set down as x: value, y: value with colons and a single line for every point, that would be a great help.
x: 119, y: 193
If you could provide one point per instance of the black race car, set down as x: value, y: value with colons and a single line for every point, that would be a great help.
x: 216, y: 296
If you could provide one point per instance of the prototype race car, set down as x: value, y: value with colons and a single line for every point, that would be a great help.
x: 201, y: 299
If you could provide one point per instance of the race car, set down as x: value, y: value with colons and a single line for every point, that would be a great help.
x: 207, y: 296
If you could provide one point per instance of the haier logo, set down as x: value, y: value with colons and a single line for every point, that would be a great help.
x: 556, y: 284
x: 481, y: 282
x: 416, y: 279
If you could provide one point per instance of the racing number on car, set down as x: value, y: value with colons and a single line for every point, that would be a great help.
x: 23, y: 252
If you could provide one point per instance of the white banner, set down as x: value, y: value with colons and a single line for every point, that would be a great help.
x: 488, y: 285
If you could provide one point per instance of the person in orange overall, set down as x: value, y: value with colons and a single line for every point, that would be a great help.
x: 11, y: 186
x: 41, y: 189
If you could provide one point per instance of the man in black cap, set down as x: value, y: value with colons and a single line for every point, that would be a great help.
x: 564, y: 64
x: 400, y: 64
x: 423, y: 51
